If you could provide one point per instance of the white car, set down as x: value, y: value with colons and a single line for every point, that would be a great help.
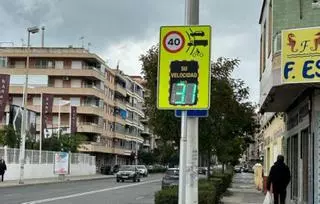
x: 143, y: 170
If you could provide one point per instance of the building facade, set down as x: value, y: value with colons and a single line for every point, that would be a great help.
x: 298, y: 101
x: 149, y: 143
x: 109, y: 103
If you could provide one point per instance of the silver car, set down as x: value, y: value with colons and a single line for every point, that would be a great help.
x: 171, y: 178
x: 143, y: 170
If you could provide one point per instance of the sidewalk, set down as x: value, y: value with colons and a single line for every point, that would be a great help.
x: 243, y: 191
x: 13, y: 183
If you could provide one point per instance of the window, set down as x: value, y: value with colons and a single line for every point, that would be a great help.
x: 76, y: 83
x: 270, y: 28
x: 59, y: 64
x: 75, y: 101
x: 42, y: 63
x: 36, y: 100
x: 76, y: 65
x: 3, y: 61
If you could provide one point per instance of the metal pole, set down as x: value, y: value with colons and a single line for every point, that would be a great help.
x: 182, y: 158
x: 42, y: 36
x: 24, y: 117
x: 41, y: 130
x: 192, y: 18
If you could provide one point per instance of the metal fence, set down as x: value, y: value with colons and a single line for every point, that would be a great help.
x: 11, y: 156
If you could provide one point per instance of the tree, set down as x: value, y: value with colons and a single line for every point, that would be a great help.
x: 146, y: 158
x: 163, y: 123
x: 231, y: 116
x: 9, y: 137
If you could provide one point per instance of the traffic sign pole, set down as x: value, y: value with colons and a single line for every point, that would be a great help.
x: 192, y: 18
x: 183, y: 159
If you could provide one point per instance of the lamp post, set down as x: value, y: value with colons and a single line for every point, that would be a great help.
x: 61, y: 103
x: 31, y: 30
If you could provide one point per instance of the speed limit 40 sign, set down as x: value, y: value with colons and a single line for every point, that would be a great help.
x: 173, y: 41
x: 184, y: 68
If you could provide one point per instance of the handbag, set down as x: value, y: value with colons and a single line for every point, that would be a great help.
x: 268, y: 199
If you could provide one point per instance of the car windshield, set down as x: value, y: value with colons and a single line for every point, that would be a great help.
x: 172, y: 172
x: 126, y: 168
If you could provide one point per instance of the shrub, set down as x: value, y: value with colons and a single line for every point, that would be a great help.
x: 157, y: 170
x: 206, y: 191
x: 167, y: 196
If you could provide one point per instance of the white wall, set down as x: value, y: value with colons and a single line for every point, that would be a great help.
x: 46, y: 171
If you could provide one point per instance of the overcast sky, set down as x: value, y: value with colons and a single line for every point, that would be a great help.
x: 124, y: 29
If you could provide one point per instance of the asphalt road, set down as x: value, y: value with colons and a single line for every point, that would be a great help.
x: 105, y: 191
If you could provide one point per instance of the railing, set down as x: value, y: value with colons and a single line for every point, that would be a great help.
x: 11, y: 156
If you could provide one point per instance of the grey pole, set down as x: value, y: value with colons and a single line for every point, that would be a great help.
x: 42, y: 36
x: 188, y: 165
x: 24, y: 117
x: 182, y: 159
x: 24, y: 108
x: 192, y: 18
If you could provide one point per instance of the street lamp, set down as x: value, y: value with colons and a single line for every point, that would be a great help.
x: 31, y: 30
x: 61, y: 103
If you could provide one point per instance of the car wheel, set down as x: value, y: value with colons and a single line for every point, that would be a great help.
x: 134, y: 180
x: 122, y: 180
x: 118, y: 180
x: 138, y: 180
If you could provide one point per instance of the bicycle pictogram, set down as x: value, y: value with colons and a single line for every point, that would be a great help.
x: 194, y: 42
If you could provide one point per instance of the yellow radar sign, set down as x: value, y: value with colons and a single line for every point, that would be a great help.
x: 184, y: 68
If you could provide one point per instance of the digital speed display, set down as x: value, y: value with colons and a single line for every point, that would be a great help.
x: 183, y: 82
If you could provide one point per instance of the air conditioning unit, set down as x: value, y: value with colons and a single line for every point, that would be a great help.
x: 66, y: 78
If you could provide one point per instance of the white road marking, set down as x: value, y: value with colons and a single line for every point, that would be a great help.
x: 139, y: 198
x: 88, y: 193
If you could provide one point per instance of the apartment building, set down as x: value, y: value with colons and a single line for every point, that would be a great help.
x: 108, y: 102
x: 150, y: 139
x: 297, y: 96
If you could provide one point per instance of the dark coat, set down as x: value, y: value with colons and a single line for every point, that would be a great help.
x: 3, y: 167
x: 279, y: 176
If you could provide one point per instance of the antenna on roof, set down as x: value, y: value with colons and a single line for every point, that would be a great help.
x: 118, y: 63
x: 89, y: 44
x: 82, y: 39
x: 22, y: 42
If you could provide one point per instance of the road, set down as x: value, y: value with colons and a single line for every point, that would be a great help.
x: 105, y: 191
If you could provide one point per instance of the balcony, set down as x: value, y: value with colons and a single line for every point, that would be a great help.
x: 95, y: 147
x: 146, y: 131
x: 119, y: 135
x: 121, y: 104
x: 146, y: 143
x: 84, y: 72
x: 90, y: 128
x: 50, y: 52
x: 121, y: 151
x: 119, y: 119
x: 121, y: 89
x: 134, y: 138
x: 86, y: 90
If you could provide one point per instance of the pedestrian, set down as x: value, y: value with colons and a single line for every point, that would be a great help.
x: 279, y: 178
x: 3, y: 168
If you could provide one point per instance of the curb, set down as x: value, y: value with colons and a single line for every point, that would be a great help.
x: 67, y: 180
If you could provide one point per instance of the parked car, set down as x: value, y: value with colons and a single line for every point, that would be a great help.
x: 171, y: 178
x: 143, y: 170
x: 203, y: 170
x: 238, y: 169
x: 128, y: 172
